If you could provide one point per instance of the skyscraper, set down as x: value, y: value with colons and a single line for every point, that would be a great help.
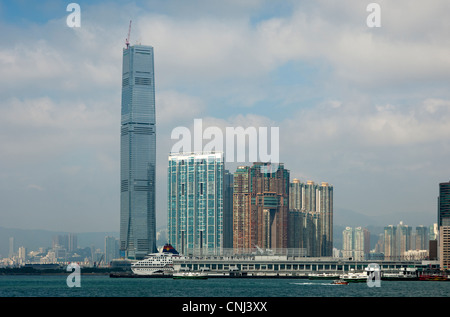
x: 261, y: 205
x: 443, y: 202
x: 195, y: 202
x: 390, y: 242
x: 228, y: 210
x: 137, y: 154
x: 316, y: 203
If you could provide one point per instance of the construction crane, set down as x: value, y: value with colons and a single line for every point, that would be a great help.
x: 127, y: 41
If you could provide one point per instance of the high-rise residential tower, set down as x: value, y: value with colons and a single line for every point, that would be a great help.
x: 260, y: 208
x: 137, y: 153
x: 314, y: 202
x: 195, y: 202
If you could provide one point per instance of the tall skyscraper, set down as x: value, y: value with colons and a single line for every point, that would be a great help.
x: 324, y: 207
x: 137, y: 153
x: 390, y: 242
x: 261, y: 205
x: 195, y: 202
x: 443, y: 202
x: 228, y: 210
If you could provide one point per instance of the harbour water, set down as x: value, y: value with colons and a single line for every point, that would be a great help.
x: 104, y: 286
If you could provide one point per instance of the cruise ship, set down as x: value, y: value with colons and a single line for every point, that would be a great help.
x: 156, y: 263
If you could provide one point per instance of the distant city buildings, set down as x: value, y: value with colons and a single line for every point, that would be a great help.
x: 356, y: 243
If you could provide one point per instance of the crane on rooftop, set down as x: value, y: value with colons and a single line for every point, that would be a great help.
x: 127, y: 41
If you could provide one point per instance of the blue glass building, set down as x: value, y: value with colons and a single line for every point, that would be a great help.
x: 195, y: 202
x: 137, y: 153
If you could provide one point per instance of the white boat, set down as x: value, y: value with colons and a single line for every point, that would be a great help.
x: 190, y: 275
x: 185, y: 273
x: 354, y: 277
x: 323, y: 276
x: 156, y: 263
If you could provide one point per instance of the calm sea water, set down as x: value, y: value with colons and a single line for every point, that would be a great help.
x: 104, y: 286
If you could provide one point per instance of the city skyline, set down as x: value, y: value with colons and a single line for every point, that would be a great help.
x: 363, y: 109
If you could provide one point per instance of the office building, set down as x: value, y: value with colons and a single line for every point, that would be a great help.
x: 137, y: 153
x: 195, y: 202
x: 443, y: 202
x: 444, y: 244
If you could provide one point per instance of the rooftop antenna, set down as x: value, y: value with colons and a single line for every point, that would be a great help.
x: 127, y: 41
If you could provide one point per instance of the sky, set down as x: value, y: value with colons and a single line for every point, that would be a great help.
x: 364, y: 109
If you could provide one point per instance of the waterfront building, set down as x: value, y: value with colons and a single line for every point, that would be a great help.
x: 137, y: 153
x: 260, y: 208
x: 444, y: 244
x: 315, y: 202
x: 196, y: 202
x: 390, y: 242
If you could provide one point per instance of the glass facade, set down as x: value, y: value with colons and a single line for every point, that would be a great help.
x: 196, y: 202
x: 443, y: 202
x: 137, y: 154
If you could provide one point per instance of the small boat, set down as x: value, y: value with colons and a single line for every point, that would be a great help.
x: 354, y: 277
x: 433, y: 277
x: 190, y: 275
x: 340, y: 282
x: 323, y: 276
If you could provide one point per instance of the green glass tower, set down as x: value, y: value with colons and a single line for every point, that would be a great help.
x: 195, y: 203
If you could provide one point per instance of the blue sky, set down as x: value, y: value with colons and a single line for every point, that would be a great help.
x: 365, y: 109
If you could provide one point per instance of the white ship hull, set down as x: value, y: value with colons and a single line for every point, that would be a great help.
x: 156, y: 263
x: 151, y: 271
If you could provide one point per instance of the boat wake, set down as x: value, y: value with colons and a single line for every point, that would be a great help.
x: 312, y: 283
